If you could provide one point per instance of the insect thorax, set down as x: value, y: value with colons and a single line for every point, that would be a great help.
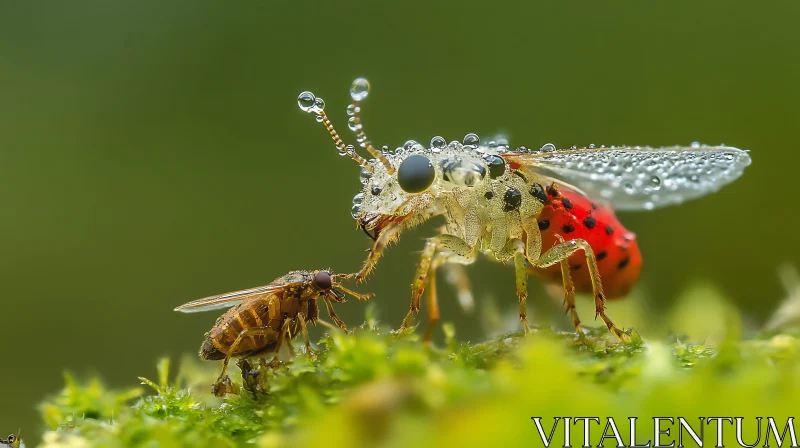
x: 484, y: 201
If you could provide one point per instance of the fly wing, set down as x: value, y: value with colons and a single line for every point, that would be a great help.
x: 638, y: 177
x: 228, y: 299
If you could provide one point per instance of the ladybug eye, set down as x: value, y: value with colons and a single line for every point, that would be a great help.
x: 323, y: 281
x: 415, y: 174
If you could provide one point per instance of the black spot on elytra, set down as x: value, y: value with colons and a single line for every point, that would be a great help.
x: 623, y: 263
x: 488, y: 195
x: 601, y: 255
x: 594, y: 206
x: 537, y: 191
x: 553, y: 191
x: 589, y: 222
x: 513, y: 199
x: 569, y: 228
x: 609, y: 229
x: 567, y: 203
x: 543, y: 225
x: 575, y: 267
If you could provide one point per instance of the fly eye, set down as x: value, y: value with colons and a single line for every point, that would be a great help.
x: 415, y: 174
x: 497, y: 166
x: 323, y: 281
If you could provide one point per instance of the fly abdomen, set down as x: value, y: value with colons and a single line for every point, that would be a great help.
x: 249, y: 315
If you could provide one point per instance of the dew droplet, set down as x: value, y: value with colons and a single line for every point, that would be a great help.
x: 360, y: 89
x: 306, y: 101
x: 409, y: 144
x: 655, y: 182
x: 352, y: 109
x: 354, y: 124
x: 695, y: 144
x: 355, y: 211
x: 319, y: 118
x: 365, y: 175
x: 627, y: 166
x: 472, y: 139
x: 438, y: 142
x: 628, y: 188
x: 319, y: 105
x: 592, y: 145
x: 649, y: 205
x: 358, y: 199
x: 547, y: 147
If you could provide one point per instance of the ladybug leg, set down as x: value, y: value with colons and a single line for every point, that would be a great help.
x: 562, y: 252
x: 388, y: 235
x: 515, y: 249
x: 444, y: 243
x: 457, y: 277
x: 521, y: 281
x: 433, y: 301
x: 569, y: 291
x: 453, y: 264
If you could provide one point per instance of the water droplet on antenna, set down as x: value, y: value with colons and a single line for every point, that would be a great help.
x: 306, y: 101
x: 354, y: 124
x: 360, y: 89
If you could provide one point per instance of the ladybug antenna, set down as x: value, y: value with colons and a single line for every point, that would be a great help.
x: 358, y: 92
x: 308, y: 102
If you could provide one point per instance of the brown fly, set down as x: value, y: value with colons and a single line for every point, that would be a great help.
x: 264, y: 318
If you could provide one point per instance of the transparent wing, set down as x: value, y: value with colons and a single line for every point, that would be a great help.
x: 227, y: 300
x: 639, y: 177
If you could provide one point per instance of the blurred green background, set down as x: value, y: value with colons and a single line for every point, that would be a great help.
x: 152, y: 153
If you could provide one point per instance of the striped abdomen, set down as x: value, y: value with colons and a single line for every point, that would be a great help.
x: 258, y: 312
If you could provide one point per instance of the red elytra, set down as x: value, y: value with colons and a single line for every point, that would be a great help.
x: 572, y: 215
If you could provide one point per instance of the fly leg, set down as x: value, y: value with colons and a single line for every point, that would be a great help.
x: 569, y: 291
x: 223, y: 384
x: 445, y: 243
x: 306, y: 338
x: 286, y: 330
x: 331, y: 313
x: 560, y: 253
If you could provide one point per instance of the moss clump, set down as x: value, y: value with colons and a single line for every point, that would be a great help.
x: 380, y: 388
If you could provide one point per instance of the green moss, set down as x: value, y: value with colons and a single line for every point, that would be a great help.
x: 375, y: 387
